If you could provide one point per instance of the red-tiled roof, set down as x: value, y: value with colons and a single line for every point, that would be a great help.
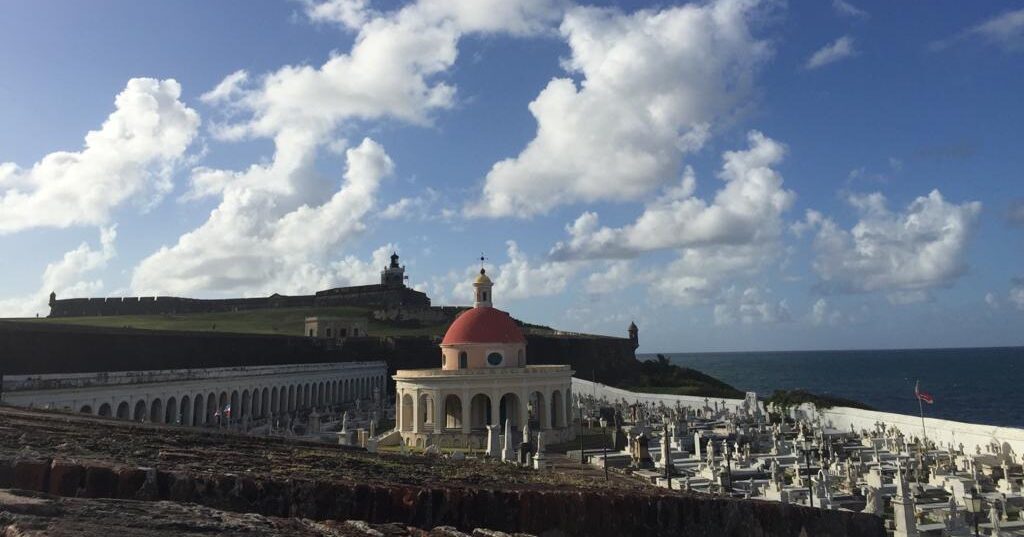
x: 483, y: 325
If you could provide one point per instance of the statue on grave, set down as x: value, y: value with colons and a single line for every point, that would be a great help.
x: 995, y: 519
x: 873, y: 504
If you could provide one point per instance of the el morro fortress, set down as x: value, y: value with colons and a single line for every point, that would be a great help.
x: 389, y: 295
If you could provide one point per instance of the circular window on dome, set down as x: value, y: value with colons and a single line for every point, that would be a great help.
x: 494, y: 358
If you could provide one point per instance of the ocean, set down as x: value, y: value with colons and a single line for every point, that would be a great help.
x: 984, y: 385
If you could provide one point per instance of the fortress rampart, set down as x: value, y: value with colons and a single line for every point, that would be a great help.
x: 373, y: 296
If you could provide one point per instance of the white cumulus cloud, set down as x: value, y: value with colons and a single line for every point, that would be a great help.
x: 746, y: 210
x: 64, y: 277
x: 262, y: 238
x: 903, y: 254
x: 653, y: 84
x: 130, y: 158
x: 750, y: 306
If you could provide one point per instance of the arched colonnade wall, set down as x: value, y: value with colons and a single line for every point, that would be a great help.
x: 200, y: 397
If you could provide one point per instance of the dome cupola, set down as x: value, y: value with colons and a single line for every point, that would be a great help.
x: 483, y: 336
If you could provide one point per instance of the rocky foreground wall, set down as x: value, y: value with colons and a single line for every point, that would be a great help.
x: 542, y: 512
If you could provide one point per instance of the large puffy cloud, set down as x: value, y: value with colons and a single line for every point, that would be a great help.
x: 732, y: 236
x: 653, y: 82
x: 903, y: 254
x: 746, y: 210
x: 261, y: 238
x: 65, y: 277
x: 393, y: 70
x: 131, y: 157
x: 273, y: 228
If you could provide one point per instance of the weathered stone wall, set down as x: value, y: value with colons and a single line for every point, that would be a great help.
x: 372, y: 296
x: 37, y: 348
x: 543, y: 512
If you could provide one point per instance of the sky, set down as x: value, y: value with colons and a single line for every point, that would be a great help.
x: 732, y: 175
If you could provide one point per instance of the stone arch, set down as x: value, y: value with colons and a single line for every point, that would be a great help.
x: 291, y: 398
x: 236, y: 405
x: 123, y: 411
x: 480, y: 411
x: 568, y: 406
x: 510, y: 409
x: 86, y: 409
x: 407, y: 412
x: 211, y: 407
x: 222, y: 403
x: 171, y: 413
x: 198, y: 411
x: 314, y: 394
x: 538, y: 410
x: 273, y: 400
x: 557, y: 409
x: 104, y: 410
x: 426, y: 411
x: 452, y: 411
x: 185, y: 410
x: 264, y: 402
x: 245, y: 411
x: 156, y: 411
x: 254, y: 406
x: 140, y: 410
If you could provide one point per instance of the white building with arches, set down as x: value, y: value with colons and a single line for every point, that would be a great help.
x: 483, y: 380
x: 237, y: 396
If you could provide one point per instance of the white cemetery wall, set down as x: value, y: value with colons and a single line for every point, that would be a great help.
x: 586, y: 387
x: 942, y: 432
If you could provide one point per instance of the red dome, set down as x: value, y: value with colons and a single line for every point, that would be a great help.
x: 483, y: 325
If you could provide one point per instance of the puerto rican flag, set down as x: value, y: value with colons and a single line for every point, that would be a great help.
x: 226, y: 411
x: 922, y: 396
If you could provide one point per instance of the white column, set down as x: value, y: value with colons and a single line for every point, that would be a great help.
x: 466, y: 407
x: 496, y: 409
x: 439, y: 415
x: 416, y: 412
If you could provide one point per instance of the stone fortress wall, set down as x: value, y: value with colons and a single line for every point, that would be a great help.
x: 389, y: 295
x: 373, y: 296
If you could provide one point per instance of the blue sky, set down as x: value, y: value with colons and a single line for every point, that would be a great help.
x: 733, y: 175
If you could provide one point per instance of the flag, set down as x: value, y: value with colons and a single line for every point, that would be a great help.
x: 922, y: 396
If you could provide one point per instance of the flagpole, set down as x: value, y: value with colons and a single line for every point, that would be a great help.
x: 920, y: 407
